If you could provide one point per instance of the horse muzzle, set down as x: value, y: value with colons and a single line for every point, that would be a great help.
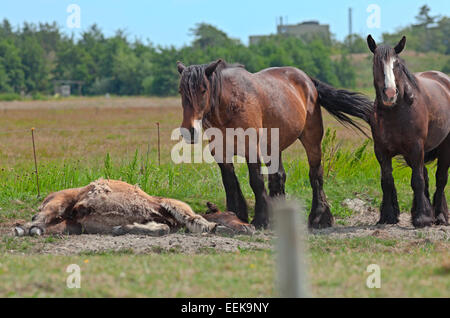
x: 190, y: 135
x: 390, y: 96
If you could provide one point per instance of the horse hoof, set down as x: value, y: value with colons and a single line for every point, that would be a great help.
x: 117, y: 231
x: 223, y: 231
x: 321, y: 220
x: 422, y: 221
x: 441, y: 219
x: 259, y: 225
x: 36, y: 231
x: 387, y: 221
x: 19, y: 231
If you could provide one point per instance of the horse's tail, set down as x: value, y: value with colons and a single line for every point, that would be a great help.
x: 340, y: 103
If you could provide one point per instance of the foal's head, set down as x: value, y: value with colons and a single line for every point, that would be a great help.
x: 391, y: 77
x: 199, y: 90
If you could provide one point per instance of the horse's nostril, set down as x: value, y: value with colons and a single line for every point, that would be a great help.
x: 390, y: 92
x: 33, y: 218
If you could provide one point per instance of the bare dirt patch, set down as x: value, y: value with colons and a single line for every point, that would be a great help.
x: 363, y: 224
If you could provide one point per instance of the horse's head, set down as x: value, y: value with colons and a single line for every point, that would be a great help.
x: 53, y: 210
x: 388, y: 70
x: 198, y: 89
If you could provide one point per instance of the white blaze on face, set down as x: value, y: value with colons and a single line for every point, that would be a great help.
x: 389, y: 77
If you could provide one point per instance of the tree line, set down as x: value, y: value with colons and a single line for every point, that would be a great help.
x: 33, y: 56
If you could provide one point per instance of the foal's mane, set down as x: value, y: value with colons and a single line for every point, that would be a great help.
x: 194, y: 76
x: 384, y: 52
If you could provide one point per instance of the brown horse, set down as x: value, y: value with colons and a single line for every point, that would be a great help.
x: 115, y: 207
x: 412, y: 119
x: 227, y: 96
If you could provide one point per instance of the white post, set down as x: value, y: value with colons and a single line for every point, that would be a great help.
x: 291, y: 250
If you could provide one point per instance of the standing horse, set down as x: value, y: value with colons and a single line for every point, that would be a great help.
x: 227, y: 96
x: 412, y: 119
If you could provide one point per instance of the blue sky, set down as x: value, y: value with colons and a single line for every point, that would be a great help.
x: 167, y: 22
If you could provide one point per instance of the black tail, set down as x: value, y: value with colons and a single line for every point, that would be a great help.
x: 340, y: 103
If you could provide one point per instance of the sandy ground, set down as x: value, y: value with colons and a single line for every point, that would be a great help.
x: 361, y: 224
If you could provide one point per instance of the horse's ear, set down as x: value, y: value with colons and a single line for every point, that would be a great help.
x: 212, y: 67
x: 181, y: 67
x: 371, y: 43
x: 401, y: 45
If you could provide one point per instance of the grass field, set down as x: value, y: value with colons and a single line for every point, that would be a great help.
x: 80, y: 140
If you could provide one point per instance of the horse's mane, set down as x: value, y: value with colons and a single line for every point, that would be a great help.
x: 384, y: 53
x: 193, y: 77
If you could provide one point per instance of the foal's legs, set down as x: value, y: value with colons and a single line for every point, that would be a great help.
x: 235, y: 199
x: 439, y: 201
x: 277, y: 181
x: 261, y: 219
x: 421, y: 212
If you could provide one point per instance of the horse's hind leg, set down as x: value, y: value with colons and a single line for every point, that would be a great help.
x: 261, y: 219
x: 235, y: 199
x: 277, y: 181
x: 311, y: 138
x: 425, y: 176
x: 421, y: 212
x: 439, y: 201
x: 150, y: 229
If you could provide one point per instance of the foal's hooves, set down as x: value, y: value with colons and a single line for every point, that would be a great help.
x: 36, y: 231
x: 19, y: 231
x: 422, y: 221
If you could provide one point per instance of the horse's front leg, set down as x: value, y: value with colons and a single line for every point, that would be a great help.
x: 235, y: 199
x: 421, y: 212
x: 261, y: 219
x: 389, y: 210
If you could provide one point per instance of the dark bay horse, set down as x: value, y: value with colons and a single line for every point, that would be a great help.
x: 227, y: 96
x: 412, y: 119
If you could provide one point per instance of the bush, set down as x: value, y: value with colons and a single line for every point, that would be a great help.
x: 8, y: 97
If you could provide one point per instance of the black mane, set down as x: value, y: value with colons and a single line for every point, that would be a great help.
x: 194, y: 76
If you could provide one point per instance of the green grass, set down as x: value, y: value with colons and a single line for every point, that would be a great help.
x: 337, y: 269
x: 348, y: 172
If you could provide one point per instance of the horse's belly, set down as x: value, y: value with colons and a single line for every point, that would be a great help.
x: 436, y: 135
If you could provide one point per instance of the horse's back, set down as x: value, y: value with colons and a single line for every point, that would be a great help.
x: 289, y: 74
x: 435, y: 77
x: 435, y: 86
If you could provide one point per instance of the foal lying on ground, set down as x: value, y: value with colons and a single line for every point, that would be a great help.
x: 115, y: 207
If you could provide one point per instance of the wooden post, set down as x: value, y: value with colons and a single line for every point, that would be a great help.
x: 159, y: 146
x: 35, y: 163
x: 291, y: 251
